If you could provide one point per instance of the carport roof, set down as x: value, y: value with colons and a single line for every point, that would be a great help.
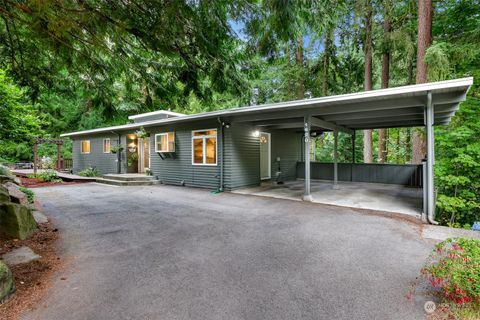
x: 384, y: 108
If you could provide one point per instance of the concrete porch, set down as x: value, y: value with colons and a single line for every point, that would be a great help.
x: 371, y: 196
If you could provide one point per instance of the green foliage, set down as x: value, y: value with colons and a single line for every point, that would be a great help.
x: 458, y: 167
x: 30, y: 194
x: 19, y: 122
x: 117, y: 148
x: 89, y: 172
x: 454, y: 267
x: 48, y: 176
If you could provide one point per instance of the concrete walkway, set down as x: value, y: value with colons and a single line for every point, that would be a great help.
x: 162, y: 252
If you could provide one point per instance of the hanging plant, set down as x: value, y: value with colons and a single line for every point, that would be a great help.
x: 141, y: 133
x: 132, y: 158
x: 116, y: 149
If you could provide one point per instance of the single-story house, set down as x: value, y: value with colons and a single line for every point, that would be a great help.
x: 240, y: 147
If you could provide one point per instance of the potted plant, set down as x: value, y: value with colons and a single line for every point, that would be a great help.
x: 116, y: 149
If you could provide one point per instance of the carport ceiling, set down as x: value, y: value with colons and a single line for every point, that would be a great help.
x: 385, y: 108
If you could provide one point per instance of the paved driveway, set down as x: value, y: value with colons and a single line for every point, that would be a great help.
x: 164, y: 252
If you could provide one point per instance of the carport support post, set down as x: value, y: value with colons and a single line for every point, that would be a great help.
x: 430, y: 160
x: 354, y: 137
x: 335, y: 159
x: 307, y: 125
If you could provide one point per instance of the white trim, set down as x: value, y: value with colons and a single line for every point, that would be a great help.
x: 204, y: 138
x: 89, y: 147
x: 457, y: 85
x: 153, y: 113
x: 109, y: 145
x: 269, y: 155
x: 168, y: 142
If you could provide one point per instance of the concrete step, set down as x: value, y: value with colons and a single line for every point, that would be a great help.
x: 148, y: 182
x: 128, y: 177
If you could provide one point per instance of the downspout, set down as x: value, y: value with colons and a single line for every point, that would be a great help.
x: 119, y: 153
x: 222, y: 137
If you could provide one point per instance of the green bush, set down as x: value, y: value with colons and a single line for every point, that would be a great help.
x: 5, y: 172
x: 89, y: 172
x: 30, y: 194
x: 49, y: 176
x: 454, y: 268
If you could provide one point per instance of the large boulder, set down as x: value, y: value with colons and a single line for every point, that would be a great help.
x: 16, y: 195
x: 7, y: 286
x: 4, y: 195
x: 16, y: 220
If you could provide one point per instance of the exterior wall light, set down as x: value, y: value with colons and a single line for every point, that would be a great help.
x: 256, y: 133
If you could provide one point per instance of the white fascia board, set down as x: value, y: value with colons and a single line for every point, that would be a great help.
x: 166, y: 112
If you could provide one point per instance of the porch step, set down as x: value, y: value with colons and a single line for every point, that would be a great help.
x: 128, y: 177
x: 117, y: 182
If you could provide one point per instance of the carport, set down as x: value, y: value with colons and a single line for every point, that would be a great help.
x: 423, y: 105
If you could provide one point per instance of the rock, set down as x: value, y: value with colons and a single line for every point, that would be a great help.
x: 4, y: 195
x: 16, y: 220
x: 16, y: 195
x: 39, y: 217
x: 20, y: 255
x: 4, y: 179
x: 7, y: 286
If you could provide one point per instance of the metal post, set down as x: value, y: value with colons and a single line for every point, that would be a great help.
x: 307, y: 125
x: 354, y: 138
x: 335, y: 159
x: 430, y: 160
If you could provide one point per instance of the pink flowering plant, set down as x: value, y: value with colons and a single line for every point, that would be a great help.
x: 454, y: 269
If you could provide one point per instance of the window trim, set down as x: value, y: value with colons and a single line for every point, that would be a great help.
x: 109, y: 146
x: 81, y: 147
x: 168, y: 142
x: 204, y: 138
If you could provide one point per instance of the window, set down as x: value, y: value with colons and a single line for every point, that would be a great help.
x: 106, y: 145
x: 85, y: 146
x: 204, y: 147
x: 165, y: 142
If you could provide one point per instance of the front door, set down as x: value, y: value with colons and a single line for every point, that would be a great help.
x: 143, y: 154
x: 265, y: 154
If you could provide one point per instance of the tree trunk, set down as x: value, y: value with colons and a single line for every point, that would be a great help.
x: 425, y: 12
x: 299, y: 60
x: 326, y: 61
x: 368, y: 49
x: 382, y: 141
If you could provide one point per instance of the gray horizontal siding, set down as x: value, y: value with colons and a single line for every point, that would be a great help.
x: 286, y: 145
x: 103, y: 162
x: 180, y: 170
x: 242, y: 157
x: 407, y: 175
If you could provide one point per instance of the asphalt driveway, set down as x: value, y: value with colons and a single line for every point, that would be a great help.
x: 165, y: 252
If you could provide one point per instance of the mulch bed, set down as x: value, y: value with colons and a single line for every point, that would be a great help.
x: 37, y: 183
x: 31, y: 279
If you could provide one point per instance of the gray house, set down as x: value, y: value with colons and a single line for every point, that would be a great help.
x: 237, y: 148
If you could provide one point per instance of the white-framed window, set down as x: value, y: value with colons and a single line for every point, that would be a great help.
x: 165, y: 142
x: 106, y: 145
x: 85, y: 146
x: 204, y: 147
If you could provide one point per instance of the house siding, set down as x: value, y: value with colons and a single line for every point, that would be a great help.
x: 180, y: 170
x: 103, y: 162
x: 241, y: 156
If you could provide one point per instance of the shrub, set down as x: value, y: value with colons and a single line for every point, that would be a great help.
x: 5, y: 172
x: 89, y: 172
x: 454, y: 268
x: 48, y: 176
x: 30, y: 194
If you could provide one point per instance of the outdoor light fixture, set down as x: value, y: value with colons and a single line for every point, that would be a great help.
x: 256, y: 133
